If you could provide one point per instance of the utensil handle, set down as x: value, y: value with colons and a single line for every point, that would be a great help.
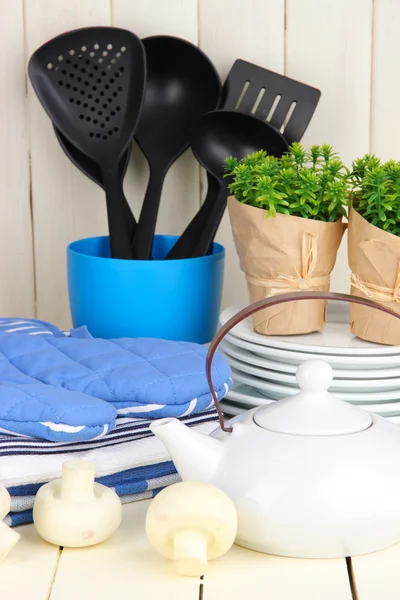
x: 129, y: 218
x: 199, y: 234
x: 120, y: 242
x: 144, y: 236
x: 272, y: 301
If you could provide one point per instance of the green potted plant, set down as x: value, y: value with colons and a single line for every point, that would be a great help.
x: 286, y: 216
x: 374, y: 247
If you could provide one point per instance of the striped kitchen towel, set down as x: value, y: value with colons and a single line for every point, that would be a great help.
x: 130, y: 445
x: 130, y: 481
x: 25, y: 517
x: 126, y: 430
x: 131, y: 485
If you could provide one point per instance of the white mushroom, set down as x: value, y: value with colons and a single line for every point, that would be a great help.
x: 8, y: 537
x: 75, y: 511
x: 191, y: 522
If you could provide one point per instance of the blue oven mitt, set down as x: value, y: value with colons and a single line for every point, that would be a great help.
x: 80, y: 382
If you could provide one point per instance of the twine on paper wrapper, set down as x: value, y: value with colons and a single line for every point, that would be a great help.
x: 284, y: 254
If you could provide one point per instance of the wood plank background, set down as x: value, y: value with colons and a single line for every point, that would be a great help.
x: 348, y: 48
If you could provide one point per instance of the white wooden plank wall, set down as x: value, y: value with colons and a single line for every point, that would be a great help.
x: 66, y: 205
x: 328, y: 44
x: 256, y: 33
x: 350, y: 49
x: 16, y: 257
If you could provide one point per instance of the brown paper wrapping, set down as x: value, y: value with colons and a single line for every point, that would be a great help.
x: 281, y: 254
x: 374, y: 260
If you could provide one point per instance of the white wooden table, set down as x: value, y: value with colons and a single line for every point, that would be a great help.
x: 127, y: 567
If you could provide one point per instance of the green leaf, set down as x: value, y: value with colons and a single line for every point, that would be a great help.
x: 310, y: 183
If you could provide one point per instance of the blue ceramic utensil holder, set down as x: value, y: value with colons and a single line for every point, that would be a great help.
x: 170, y: 299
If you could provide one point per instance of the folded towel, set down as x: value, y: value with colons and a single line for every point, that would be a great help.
x: 130, y: 485
x: 131, y: 445
x: 130, y: 481
x: 13, y: 519
x: 63, y: 388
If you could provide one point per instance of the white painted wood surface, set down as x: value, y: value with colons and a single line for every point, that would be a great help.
x: 16, y: 252
x: 123, y: 566
x: 385, y: 121
x: 377, y: 575
x: 348, y: 48
x: 66, y: 204
x: 245, y: 574
x: 256, y: 33
x: 126, y: 566
x: 128, y: 562
x: 328, y: 45
x: 27, y: 573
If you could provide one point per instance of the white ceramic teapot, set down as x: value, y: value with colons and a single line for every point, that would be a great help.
x: 311, y: 476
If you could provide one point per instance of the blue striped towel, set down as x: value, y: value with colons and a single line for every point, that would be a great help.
x: 127, y: 430
x: 130, y: 485
x: 142, y: 481
x: 24, y: 517
x: 130, y: 481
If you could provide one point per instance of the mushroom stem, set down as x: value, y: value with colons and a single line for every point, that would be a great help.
x: 8, y: 539
x: 77, y: 484
x: 190, y: 551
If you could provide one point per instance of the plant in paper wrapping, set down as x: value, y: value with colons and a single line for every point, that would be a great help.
x: 374, y: 247
x: 286, y: 217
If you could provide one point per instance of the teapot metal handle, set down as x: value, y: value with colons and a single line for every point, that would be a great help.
x: 272, y: 301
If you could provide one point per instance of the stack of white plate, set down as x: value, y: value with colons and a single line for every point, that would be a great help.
x: 264, y: 367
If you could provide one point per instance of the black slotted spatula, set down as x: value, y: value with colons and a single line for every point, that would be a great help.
x: 90, y: 82
x: 287, y: 104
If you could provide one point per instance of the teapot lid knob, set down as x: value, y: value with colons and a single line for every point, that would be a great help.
x: 313, y: 411
x: 312, y: 379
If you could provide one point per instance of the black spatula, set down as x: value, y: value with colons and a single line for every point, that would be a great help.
x: 91, y: 82
x: 92, y: 170
x: 287, y: 104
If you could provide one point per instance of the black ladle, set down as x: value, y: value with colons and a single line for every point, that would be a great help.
x: 90, y: 82
x: 182, y: 85
x: 217, y: 135
x: 91, y: 170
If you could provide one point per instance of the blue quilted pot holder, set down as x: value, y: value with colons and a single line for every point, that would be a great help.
x: 71, y: 387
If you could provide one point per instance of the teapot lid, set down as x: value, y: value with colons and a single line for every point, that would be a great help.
x: 313, y: 411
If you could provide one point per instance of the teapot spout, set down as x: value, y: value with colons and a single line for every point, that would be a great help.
x: 196, y: 456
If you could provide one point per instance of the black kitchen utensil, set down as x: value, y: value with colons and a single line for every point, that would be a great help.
x: 287, y: 104
x: 92, y: 170
x: 217, y: 135
x: 182, y: 85
x: 90, y: 82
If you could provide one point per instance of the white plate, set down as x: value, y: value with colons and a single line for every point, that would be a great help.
x: 246, y: 395
x: 255, y: 360
x: 336, y: 361
x: 338, y: 385
x: 335, y: 338
x: 232, y: 410
x: 389, y: 400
